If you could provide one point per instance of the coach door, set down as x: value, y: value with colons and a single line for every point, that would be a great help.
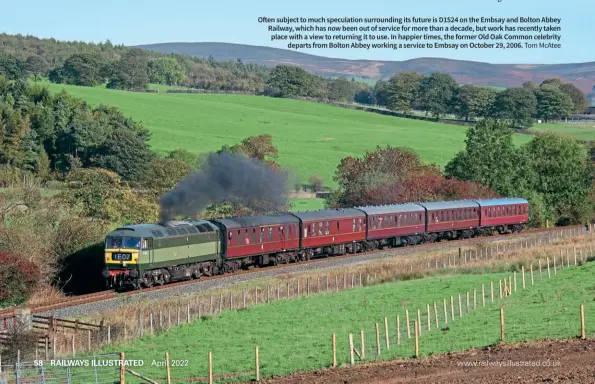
x: 282, y: 238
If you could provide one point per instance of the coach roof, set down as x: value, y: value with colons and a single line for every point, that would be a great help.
x: 256, y: 221
x: 456, y: 204
x: 502, y: 201
x: 329, y: 214
x: 393, y: 208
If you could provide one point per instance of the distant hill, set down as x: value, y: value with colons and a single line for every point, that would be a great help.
x: 468, y: 72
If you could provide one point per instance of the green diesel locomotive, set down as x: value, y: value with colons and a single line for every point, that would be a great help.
x: 139, y: 256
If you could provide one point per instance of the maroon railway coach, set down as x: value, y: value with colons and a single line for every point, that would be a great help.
x: 332, y: 231
x: 451, y: 219
x: 260, y: 240
x: 505, y: 214
x: 397, y: 224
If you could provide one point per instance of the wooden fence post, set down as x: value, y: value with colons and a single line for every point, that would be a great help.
x: 445, y: 312
x: 210, y: 367
x: 483, y: 296
x: 351, y: 356
x: 407, y: 321
x: 492, y: 289
x: 502, y: 323
x: 122, y: 368
x: 436, y: 314
x: 419, y: 319
x: 334, y: 350
x: 452, y: 309
x: 540, y: 274
x: 523, y: 272
x: 398, y: 331
x: 429, y: 317
x: 167, y: 368
x: 514, y: 281
x: 257, y: 364
x: 416, y: 325
x: 386, y: 332
x: 460, y: 307
x: 582, y: 321
x: 377, y: 339
x: 548, y: 267
x: 531, y: 274
x: 474, y: 298
x: 363, y: 342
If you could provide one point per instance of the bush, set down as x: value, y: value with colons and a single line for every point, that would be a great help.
x: 18, y: 278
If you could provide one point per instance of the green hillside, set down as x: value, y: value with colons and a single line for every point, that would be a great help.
x: 312, y: 138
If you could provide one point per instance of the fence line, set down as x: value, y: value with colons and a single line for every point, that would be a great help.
x: 496, y: 317
x: 73, y: 339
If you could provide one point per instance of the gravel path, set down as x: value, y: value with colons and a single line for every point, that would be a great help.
x: 189, y: 289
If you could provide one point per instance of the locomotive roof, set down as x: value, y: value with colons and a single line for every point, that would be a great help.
x: 150, y: 230
x: 255, y: 221
x: 455, y: 204
x: 327, y: 214
x: 392, y: 208
x: 502, y: 201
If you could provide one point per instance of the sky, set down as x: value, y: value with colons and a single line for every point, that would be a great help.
x: 134, y: 22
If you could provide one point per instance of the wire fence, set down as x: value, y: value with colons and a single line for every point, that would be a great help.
x: 98, y: 369
x: 462, y: 319
x: 152, y: 320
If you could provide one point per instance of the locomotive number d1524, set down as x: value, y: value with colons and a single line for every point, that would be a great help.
x: 122, y: 256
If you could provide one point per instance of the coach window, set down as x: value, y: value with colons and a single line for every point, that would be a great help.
x: 392, y: 220
x: 338, y: 228
x: 306, y: 231
x: 327, y: 228
x: 239, y: 238
x: 360, y: 224
x: 230, y: 236
x: 399, y: 220
x: 270, y: 233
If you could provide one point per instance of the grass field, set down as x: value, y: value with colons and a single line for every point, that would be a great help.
x: 306, y: 204
x: 295, y: 335
x: 580, y: 131
x: 311, y: 138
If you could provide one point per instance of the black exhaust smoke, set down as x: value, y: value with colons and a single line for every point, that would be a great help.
x: 226, y: 177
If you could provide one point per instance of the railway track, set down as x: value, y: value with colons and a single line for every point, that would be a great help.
x: 110, y: 295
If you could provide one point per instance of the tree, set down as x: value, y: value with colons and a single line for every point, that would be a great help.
x: 341, y: 90
x: 381, y: 92
x: 437, y: 93
x: 185, y: 156
x: 131, y: 71
x: 563, y: 175
x: 11, y: 67
x: 473, y: 101
x: 552, y: 103
x: 125, y: 152
x: 579, y: 100
x: 162, y: 174
x: 365, y: 96
x: 403, y: 91
x: 291, y: 81
x: 36, y: 65
x: 166, y: 70
x: 18, y: 278
x: 317, y: 182
x: 555, y: 82
x: 83, y: 69
x: 259, y: 147
x: 101, y: 194
x: 490, y: 158
x: 530, y: 85
x: 384, y: 166
x: 517, y: 105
